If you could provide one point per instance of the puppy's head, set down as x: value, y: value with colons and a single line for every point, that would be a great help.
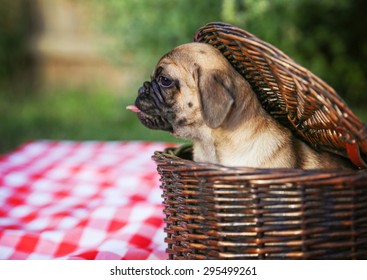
x: 192, y: 88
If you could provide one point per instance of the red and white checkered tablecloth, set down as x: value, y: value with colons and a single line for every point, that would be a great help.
x: 81, y: 200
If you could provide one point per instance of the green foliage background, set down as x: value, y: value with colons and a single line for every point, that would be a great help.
x: 328, y: 37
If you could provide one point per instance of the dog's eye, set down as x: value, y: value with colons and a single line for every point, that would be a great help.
x: 164, y: 81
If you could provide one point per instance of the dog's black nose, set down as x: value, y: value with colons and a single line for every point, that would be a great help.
x: 144, y: 88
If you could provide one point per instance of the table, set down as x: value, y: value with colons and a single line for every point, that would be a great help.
x: 81, y: 200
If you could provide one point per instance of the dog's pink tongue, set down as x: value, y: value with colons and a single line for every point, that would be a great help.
x: 133, y: 108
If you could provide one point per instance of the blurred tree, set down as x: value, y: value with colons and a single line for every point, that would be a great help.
x: 148, y: 28
x: 15, y: 58
x: 338, y: 32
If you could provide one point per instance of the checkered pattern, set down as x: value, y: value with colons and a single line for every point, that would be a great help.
x: 81, y: 200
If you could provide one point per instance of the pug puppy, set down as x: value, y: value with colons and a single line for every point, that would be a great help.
x: 196, y: 94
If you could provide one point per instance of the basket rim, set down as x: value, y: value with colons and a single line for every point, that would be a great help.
x: 168, y: 161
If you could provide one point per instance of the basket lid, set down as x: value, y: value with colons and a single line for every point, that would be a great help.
x: 293, y: 95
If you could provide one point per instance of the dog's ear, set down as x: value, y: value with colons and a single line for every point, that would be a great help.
x: 216, y: 96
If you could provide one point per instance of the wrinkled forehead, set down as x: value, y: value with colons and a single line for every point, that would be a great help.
x: 172, y: 62
x: 184, y: 57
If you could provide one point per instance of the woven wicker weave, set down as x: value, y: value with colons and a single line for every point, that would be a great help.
x: 290, y: 93
x: 214, y: 212
x: 217, y: 212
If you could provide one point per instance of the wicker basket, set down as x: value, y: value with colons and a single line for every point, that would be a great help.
x: 217, y: 212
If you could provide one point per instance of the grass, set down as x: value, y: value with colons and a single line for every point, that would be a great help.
x: 75, y: 115
x: 70, y: 115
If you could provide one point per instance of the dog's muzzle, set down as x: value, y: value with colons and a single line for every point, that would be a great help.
x: 152, y: 109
